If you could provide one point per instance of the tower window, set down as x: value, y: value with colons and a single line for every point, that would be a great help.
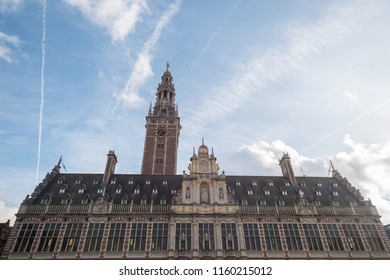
x: 159, y: 161
x: 160, y: 146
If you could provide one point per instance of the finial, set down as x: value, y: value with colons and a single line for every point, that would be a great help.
x: 331, y: 165
x: 193, y: 151
x: 212, y: 151
x: 202, y: 141
x: 59, y: 161
x: 167, y: 65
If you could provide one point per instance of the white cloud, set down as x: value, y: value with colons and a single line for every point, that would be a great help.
x: 7, y: 44
x: 10, y: 5
x: 7, y: 213
x: 301, y: 43
x: 142, y: 69
x: 119, y: 17
x: 366, y: 166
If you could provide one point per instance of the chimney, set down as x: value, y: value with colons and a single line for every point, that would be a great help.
x: 110, y: 166
x: 287, y: 171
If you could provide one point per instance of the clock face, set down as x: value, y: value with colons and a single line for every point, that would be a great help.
x: 161, y: 132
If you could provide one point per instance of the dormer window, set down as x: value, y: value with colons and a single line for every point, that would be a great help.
x: 65, y: 200
x: 147, y: 181
x: 78, y: 181
x: 238, y: 183
x: 335, y: 184
x: 44, y: 201
x: 154, y: 191
x: 118, y: 190
x: 270, y: 184
x: 165, y: 182
x: 113, y: 181
x: 163, y: 201
x: 335, y: 203
x: 85, y: 200
x: 96, y: 181
x: 254, y: 183
x: 143, y: 201
x: 100, y: 190
x: 335, y: 193
x: 250, y: 192
x: 284, y: 192
x: 62, y: 190
x: 262, y: 201
x: 136, y: 190
x: 124, y: 201
x: 173, y: 191
x: 81, y: 190
x: 303, y: 184
x: 131, y: 181
x: 281, y: 202
x: 319, y: 184
x: 267, y: 192
x: 244, y: 202
x: 318, y: 193
x: 60, y: 180
x: 317, y: 203
x: 287, y: 184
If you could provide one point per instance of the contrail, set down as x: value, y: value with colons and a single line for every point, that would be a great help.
x: 43, y: 46
x: 345, y: 126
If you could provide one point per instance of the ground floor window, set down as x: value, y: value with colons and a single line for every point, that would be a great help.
x: 206, y: 236
x: 94, y: 237
x: 353, y: 238
x: 138, y: 237
x: 25, y: 238
x: 116, y: 238
x: 313, y: 237
x: 252, y: 237
x: 72, y: 236
x: 272, y: 237
x: 160, y: 237
x: 183, y: 236
x: 293, y: 238
x: 373, y: 238
x: 333, y: 237
x: 229, y: 237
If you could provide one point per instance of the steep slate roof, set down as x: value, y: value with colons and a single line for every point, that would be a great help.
x: 119, y: 186
x: 251, y: 189
x: 160, y: 189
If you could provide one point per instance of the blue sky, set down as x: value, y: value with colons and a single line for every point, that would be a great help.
x: 254, y: 78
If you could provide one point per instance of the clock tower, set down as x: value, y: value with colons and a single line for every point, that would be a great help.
x: 162, y: 130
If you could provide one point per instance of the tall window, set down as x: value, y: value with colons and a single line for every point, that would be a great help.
x: 206, y: 236
x: 138, y: 237
x: 160, y: 237
x: 72, y: 236
x: 183, y: 236
x: 333, y: 237
x: 272, y: 237
x: 229, y: 237
x: 49, y: 237
x: 373, y: 238
x: 252, y: 237
x: 116, y: 237
x: 25, y: 238
x: 94, y: 237
x: 293, y: 238
x: 313, y: 237
x: 352, y: 234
